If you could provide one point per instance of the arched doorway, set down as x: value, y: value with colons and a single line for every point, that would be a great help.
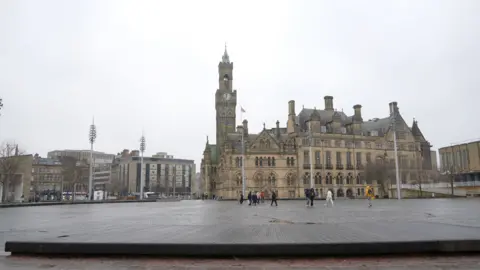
x: 258, y: 178
x: 340, y: 193
x: 349, y: 193
x: 270, y: 185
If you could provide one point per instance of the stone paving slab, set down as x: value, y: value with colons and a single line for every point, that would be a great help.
x: 350, y: 221
x: 365, y: 263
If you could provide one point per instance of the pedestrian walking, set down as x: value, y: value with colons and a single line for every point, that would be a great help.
x: 312, y: 196
x: 249, y: 197
x: 307, y: 196
x: 329, y: 200
x: 241, y: 198
x: 254, y: 198
x: 370, y: 195
x: 274, y: 199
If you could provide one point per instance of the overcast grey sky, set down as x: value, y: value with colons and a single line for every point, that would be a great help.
x: 152, y: 65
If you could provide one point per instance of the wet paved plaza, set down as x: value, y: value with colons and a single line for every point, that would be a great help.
x: 229, y: 222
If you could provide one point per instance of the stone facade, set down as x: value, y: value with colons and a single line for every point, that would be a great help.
x: 47, y: 175
x: 17, y: 183
x: 278, y: 158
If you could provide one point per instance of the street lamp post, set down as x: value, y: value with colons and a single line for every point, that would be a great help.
x: 243, y: 153
x: 142, y: 177
x: 393, y: 115
x: 310, y: 142
x: 92, y: 137
x: 355, y: 161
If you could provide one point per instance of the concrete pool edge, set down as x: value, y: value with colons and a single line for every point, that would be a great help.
x: 242, y: 249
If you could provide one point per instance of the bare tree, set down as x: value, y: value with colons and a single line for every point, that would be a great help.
x: 74, y: 172
x: 380, y: 170
x: 10, y: 162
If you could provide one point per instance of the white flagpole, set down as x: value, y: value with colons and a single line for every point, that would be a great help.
x: 243, y: 154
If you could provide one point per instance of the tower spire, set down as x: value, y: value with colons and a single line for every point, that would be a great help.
x: 225, y: 57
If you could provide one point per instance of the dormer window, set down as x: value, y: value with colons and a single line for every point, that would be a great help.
x: 374, y: 133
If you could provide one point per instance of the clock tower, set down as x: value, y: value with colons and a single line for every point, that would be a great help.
x: 225, y: 100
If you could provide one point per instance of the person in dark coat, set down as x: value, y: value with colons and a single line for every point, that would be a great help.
x: 312, y: 196
x: 274, y: 199
x: 254, y: 198
x: 249, y: 197
x: 241, y: 198
x: 307, y: 195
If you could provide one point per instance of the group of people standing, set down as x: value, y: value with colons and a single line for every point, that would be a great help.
x: 258, y: 197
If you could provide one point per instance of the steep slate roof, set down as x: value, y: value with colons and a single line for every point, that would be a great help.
x: 237, y: 137
x: 416, y: 131
x: 380, y: 124
x: 325, y: 115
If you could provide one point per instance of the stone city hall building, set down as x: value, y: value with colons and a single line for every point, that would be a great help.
x: 278, y: 158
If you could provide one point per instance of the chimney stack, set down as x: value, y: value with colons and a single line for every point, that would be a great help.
x: 393, y: 107
x: 328, y: 103
x: 291, y: 107
x: 277, y: 130
x: 358, y: 112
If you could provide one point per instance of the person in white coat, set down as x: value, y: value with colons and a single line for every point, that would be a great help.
x: 329, y: 199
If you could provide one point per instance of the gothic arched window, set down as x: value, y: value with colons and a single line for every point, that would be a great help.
x: 239, y: 179
x: 290, y: 179
x: 306, y: 178
x: 340, y: 179
x: 258, y: 179
x: 269, y: 162
x: 256, y: 161
x: 349, y: 179
x: 271, y: 179
x: 273, y: 161
x: 328, y: 178
x: 260, y: 161
x: 318, y: 179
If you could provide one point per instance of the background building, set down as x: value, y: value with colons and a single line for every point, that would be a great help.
x: 434, y: 158
x: 163, y: 173
x: 47, y: 177
x: 83, y: 155
x: 462, y: 161
x: 15, y: 175
x: 102, y: 176
x: 347, y: 151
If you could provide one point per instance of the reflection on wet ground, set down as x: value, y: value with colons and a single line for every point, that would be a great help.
x: 228, y: 221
